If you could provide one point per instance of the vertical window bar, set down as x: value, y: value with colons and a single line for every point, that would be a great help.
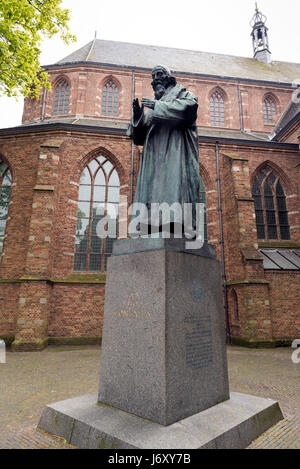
x: 56, y: 100
x: 259, y: 213
x: 282, y: 213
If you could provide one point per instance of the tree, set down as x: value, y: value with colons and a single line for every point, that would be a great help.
x: 23, y: 25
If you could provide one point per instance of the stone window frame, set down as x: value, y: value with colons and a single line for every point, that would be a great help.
x: 271, y: 107
x: 95, y: 247
x: 265, y: 184
x: 61, y: 96
x: 5, y: 172
x: 217, y: 119
x: 115, y: 97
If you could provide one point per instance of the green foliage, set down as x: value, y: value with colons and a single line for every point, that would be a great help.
x: 23, y: 25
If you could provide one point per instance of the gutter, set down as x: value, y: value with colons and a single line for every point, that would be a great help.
x: 224, y: 281
x: 132, y: 143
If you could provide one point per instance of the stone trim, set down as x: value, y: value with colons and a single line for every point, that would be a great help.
x: 244, y: 199
x: 278, y: 244
x: 52, y: 144
x: 91, y: 279
x: 33, y: 346
x: 242, y: 342
x: 75, y: 341
x: 235, y: 157
x: 248, y: 282
x: 252, y: 255
x: 44, y: 188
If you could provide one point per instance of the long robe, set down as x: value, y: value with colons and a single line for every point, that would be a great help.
x: 169, y: 168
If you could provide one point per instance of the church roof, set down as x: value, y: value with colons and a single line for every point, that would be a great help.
x: 124, y: 54
x: 291, y: 113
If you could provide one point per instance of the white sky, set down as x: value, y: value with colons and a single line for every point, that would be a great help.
x: 213, y: 26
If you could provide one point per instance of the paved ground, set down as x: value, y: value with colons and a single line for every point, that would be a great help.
x: 29, y: 381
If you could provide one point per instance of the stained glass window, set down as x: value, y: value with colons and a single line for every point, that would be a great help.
x: 5, y: 190
x: 110, y: 99
x: 61, y: 98
x: 269, y: 110
x: 270, y: 206
x: 217, y: 116
x: 99, y: 195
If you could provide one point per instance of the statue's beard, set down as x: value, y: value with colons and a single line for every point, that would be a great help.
x: 159, y: 91
x: 160, y: 87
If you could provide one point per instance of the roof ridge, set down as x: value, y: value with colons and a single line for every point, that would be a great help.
x: 90, y: 51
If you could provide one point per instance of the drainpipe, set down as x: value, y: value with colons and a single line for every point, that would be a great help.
x: 241, y: 108
x: 224, y: 282
x: 44, y: 104
x: 132, y: 144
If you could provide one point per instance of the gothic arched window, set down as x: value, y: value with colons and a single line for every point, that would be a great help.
x: 61, y: 98
x: 99, y: 195
x: 270, y: 206
x: 5, y: 189
x: 269, y: 110
x: 110, y: 99
x: 217, y: 116
x: 203, y: 201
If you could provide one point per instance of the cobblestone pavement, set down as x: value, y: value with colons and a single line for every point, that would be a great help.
x: 29, y: 381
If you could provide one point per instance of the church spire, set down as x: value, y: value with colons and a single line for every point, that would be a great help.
x: 260, y: 37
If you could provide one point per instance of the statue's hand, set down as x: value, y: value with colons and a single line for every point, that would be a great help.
x: 137, y: 109
x: 150, y: 103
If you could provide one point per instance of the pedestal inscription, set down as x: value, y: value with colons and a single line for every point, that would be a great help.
x: 198, y: 341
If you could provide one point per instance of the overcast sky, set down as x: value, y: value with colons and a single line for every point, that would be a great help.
x: 212, y: 26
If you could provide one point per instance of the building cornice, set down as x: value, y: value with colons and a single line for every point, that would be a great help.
x: 79, y: 128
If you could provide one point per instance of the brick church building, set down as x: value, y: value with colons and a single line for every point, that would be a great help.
x: 71, y: 154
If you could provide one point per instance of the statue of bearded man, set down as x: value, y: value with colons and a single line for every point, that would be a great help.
x: 169, y: 168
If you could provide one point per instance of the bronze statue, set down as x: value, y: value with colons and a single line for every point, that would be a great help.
x: 169, y: 169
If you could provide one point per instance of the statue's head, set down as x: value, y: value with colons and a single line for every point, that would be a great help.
x: 162, y: 79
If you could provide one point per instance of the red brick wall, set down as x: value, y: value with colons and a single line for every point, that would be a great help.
x: 9, y: 297
x: 87, y: 86
x: 76, y: 311
x: 285, y: 303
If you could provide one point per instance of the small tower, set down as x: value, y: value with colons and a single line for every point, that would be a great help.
x: 260, y: 37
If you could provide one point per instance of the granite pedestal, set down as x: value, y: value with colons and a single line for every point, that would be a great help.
x: 163, y: 373
x: 163, y: 346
